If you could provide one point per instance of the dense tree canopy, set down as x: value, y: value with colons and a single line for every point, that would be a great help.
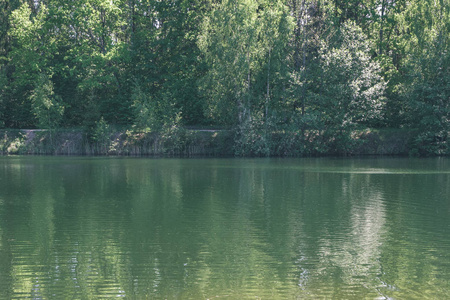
x: 255, y: 65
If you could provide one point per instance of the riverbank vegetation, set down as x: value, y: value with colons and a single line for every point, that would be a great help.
x: 205, y: 143
x: 279, y: 78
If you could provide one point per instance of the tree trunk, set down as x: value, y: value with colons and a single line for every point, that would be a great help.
x: 383, y: 7
x: 268, y: 88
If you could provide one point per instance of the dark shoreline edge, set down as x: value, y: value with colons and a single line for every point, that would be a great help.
x: 201, y: 143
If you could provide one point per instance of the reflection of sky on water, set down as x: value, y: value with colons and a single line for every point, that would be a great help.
x: 383, y: 171
x: 351, y: 254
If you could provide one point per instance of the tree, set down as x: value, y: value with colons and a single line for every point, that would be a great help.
x: 427, y: 74
x: 350, y: 91
x: 163, y: 55
x: 27, y: 58
x: 47, y: 106
x: 244, y: 43
x: 3, y: 87
x: 96, y: 52
x: 309, y: 28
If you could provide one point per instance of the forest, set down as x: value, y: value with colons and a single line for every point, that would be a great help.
x: 303, y: 76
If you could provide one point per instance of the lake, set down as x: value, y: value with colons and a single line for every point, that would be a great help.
x: 99, y: 227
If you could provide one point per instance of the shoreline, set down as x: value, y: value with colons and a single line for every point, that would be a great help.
x: 200, y: 143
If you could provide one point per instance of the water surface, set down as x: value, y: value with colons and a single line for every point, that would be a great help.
x: 88, y: 228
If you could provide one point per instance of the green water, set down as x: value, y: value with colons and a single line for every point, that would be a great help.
x: 89, y: 228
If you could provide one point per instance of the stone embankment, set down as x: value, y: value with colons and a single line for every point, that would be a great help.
x: 191, y: 143
x: 126, y: 143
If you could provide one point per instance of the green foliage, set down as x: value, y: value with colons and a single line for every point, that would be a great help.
x: 154, y: 114
x: 160, y: 116
x: 31, y: 51
x: 301, y: 75
x: 17, y: 146
x: 239, y: 40
x: 3, y: 87
x: 101, y: 136
x: 427, y: 69
x: 13, y: 142
x: 173, y: 135
x: 350, y: 90
x: 144, y: 113
x: 253, y: 137
x: 47, y: 106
